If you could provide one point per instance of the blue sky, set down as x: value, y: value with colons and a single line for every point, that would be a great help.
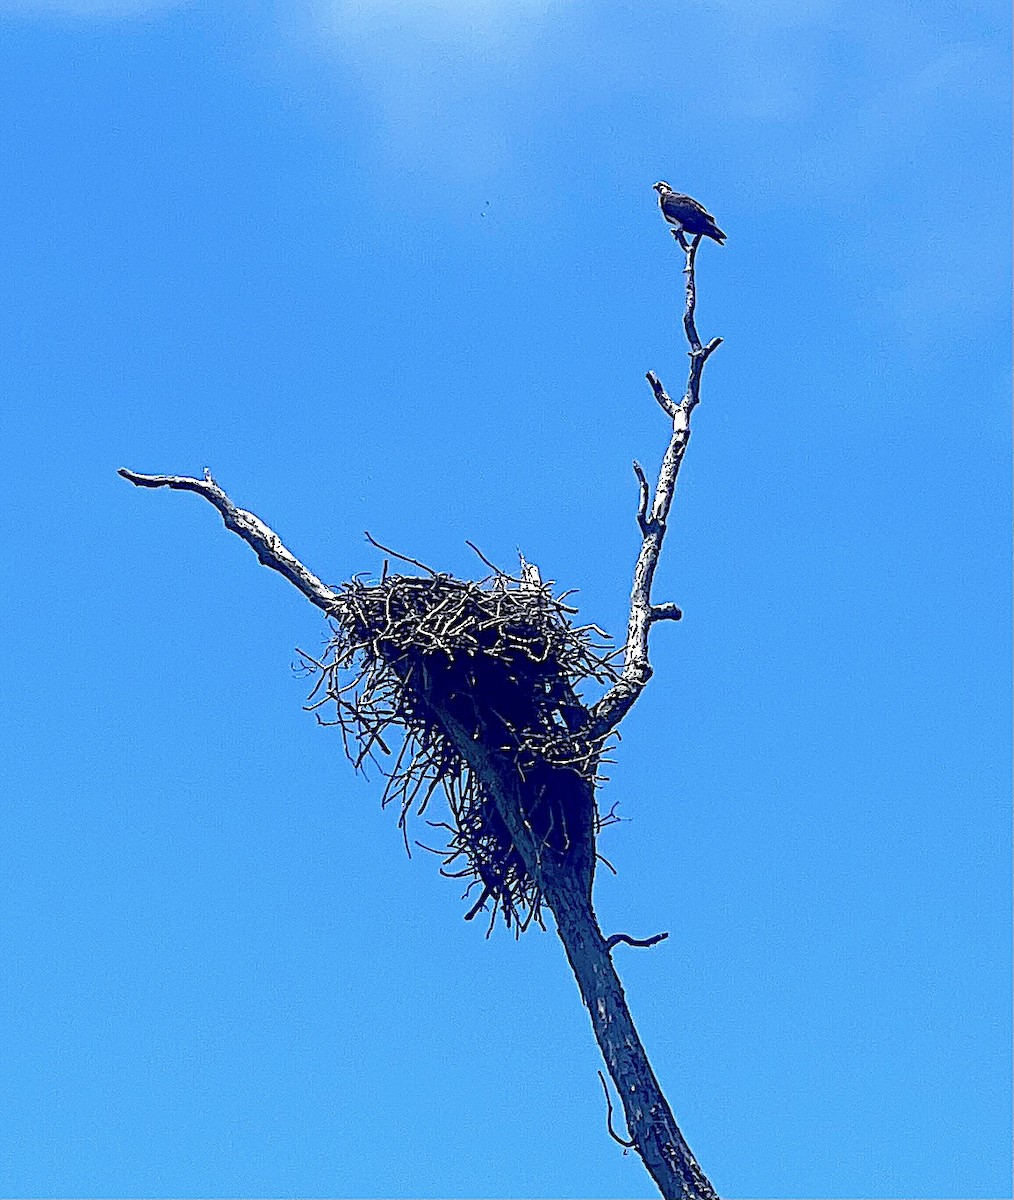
x: 397, y: 266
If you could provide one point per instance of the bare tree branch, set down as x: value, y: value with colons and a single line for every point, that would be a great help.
x: 264, y: 542
x: 665, y: 401
x: 642, y: 943
x: 617, y: 701
x: 689, y: 328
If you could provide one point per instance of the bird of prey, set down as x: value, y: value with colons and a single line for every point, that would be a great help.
x: 685, y: 215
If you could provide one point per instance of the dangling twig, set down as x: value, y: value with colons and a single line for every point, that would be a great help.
x: 609, y: 1117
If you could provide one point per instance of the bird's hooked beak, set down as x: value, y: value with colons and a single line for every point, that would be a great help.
x: 660, y: 187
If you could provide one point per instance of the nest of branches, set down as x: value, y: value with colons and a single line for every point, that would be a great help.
x: 500, y: 658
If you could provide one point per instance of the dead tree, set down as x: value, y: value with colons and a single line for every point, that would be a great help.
x: 479, y: 689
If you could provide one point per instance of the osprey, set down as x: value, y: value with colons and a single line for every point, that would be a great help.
x: 685, y: 215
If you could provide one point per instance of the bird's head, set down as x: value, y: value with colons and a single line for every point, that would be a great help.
x: 661, y: 187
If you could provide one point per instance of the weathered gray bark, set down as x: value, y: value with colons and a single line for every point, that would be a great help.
x: 566, y: 881
x: 650, y: 1122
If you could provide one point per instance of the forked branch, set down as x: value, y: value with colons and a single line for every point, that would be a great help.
x: 652, y: 516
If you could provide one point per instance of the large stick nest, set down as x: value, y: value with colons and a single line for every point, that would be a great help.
x: 503, y: 655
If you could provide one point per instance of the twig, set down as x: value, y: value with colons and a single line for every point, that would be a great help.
x: 609, y: 1116
x: 643, y: 499
x: 404, y: 557
x: 265, y: 543
x: 605, y: 862
x: 643, y: 943
x: 492, y: 566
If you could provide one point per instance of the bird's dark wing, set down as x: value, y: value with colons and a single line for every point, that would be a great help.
x: 685, y: 209
x: 693, y: 217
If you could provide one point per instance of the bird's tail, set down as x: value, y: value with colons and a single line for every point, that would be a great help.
x: 716, y: 233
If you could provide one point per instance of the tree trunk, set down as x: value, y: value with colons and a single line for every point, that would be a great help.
x: 650, y: 1122
x: 566, y: 884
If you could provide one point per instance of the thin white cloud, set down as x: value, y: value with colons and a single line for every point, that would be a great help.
x: 85, y: 10
x: 455, y: 17
x: 424, y: 28
x: 777, y: 13
x: 437, y: 72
